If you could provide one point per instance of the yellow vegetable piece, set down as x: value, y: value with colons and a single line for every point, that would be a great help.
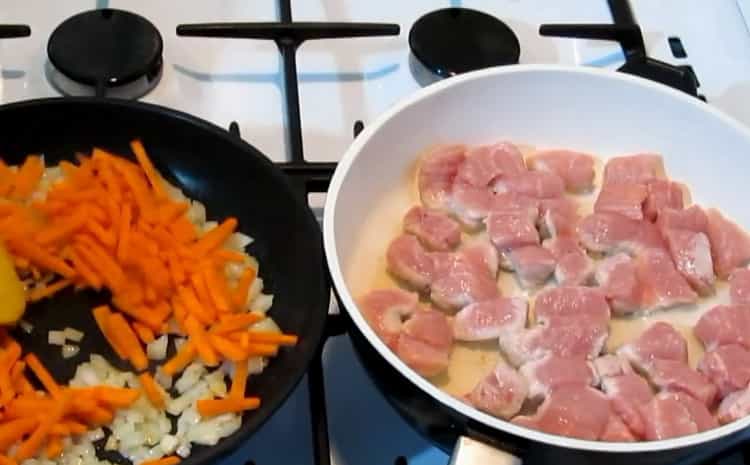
x: 12, y: 295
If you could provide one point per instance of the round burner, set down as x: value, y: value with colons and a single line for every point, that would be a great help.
x: 456, y: 40
x: 105, y: 51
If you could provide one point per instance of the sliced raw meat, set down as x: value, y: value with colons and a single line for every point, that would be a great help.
x: 576, y: 169
x: 610, y: 233
x: 611, y: 365
x: 435, y: 229
x: 691, y: 253
x: 408, y: 260
x: 536, y: 184
x: 728, y: 367
x: 617, y: 276
x: 533, y: 265
x: 489, y: 319
x: 673, y: 376
x: 739, y: 286
x: 565, y: 304
x: 574, y: 267
x: 511, y: 229
x: 660, y: 341
x: 662, y: 194
x: 724, y: 324
x: 551, y: 372
x: 485, y: 163
x: 558, y: 217
x: 627, y: 394
x: 562, y: 246
x: 437, y: 171
x: 570, y: 339
x: 501, y: 393
x: 561, y: 413
x: 734, y: 406
x: 622, y: 199
x: 386, y: 309
x: 730, y: 245
x: 431, y: 327
x: 617, y: 431
x: 510, y: 202
x: 633, y: 169
x: 692, y: 218
x: 698, y: 411
x: 667, y: 417
x: 482, y: 255
x: 424, y: 358
x: 662, y: 285
x: 461, y: 279
x: 470, y: 204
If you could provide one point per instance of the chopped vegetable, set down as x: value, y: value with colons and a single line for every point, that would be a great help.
x: 213, y: 407
x: 171, y: 460
x: 152, y: 390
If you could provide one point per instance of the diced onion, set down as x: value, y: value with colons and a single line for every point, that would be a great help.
x: 262, y: 303
x: 26, y: 326
x: 73, y: 334
x: 56, y: 338
x: 266, y: 324
x: 157, y: 350
x: 238, y: 241
x: 70, y: 350
x: 192, y: 374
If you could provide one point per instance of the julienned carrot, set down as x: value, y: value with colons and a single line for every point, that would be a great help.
x: 61, y: 230
x: 169, y: 211
x: 54, y: 447
x: 103, y: 235
x: 101, y: 315
x: 28, y: 176
x: 243, y: 287
x: 127, y: 339
x: 140, y: 313
x: 26, y: 406
x: 5, y: 460
x: 199, y: 338
x: 265, y: 350
x: 217, y: 289
x: 151, y: 389
x: 203, y: 313
x: 213, y: 407
x: 40, y: 257
x: 31, y: 445
x: 269, y: 337
x: 7, y: 176
x: 227, y: 348
x: 42, y: 292
x: 43, y: 376
x: 226, y: 255
x: 148, y: 168
x: 185, y: 354
x: 115, y: 397
x: 239, y: 380
x: 170, y: 460
x: 145, y: 334
x: 13, y: 430
x: 89, y: 276
x: 236, y: 321
x: 215, y: 238
x: 123, y: 244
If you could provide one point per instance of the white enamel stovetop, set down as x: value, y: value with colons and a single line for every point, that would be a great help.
x: 342, y: 81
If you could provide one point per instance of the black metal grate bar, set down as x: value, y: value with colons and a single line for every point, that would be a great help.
x: 622, y: 13
x: 12, y: 31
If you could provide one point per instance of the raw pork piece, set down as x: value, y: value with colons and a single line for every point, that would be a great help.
x: 633, y: 169
x: 551, y: 372
x: 724, y: 324
x: 562, y: 413
x: 435, y: 229
x: 576, y: 169
x: 662, y: 285
x: 739, y: 286
x: 485, y: 163
x: 673, y: 376
x: 481, y: 254
x: 730, y: 245
x: 386, y: 310
x: 622, y: 199
x: 609, y: 365
x: 692, y: 218
x: 511, y: 229
x: 437, y: 171
x: 489, y: 319
x: 510, y: 202
x: 670, y: 415
x: 558, y: 217
x: 574, y: 267
x: 610, y: 233
x: 425, y: 342
x: 617, y: 431
x: 691, y: 253
x: 536, y: 184
x: 627, y: 394
x: 617, y: 276
x: 461, y: 279
x: 698, y: 411
x: 470, y: 204
x: 728, y: 367
x: 566, y: 304
x: 408, y: 261
x: 662, y: 194
x: 501, y: 393
x: 734, y: 406
x: 533, y: 265
x: 660, y: 341
x: 576, y: 338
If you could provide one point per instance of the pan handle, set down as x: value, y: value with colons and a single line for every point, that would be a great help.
x: 468, y: 451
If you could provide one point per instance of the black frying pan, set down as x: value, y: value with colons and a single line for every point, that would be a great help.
x: 231, y: 178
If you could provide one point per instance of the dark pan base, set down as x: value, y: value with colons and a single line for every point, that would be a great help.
x: 442, y: 425
x: 232, y: 179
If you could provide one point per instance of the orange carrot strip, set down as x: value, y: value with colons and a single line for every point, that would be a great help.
x: 181, y: 359
x: 5, y: 460
x: 54, y: 447
x: 204, y: 313
x: 140, y: 190
x: 42, y: 292
x: 262, y: 349
x: 144, y: 332
x: 217, y: 289
x: 169, y: 212
x: 7, y: 176
x: 199, y: 338
x: 236, y: 321
x: 104, y: 236
x: 239, y: 380
x: 83, y: 269
x: 216, y: 237
x: 243, y: 287
x: 139, y: 313
x: 17, y: 375
x: 170, y: 460
x: 213, y: 407
x: 148, y: 168
x: 105, y: 260
x: 61, y: 230
x: 152, y: 391
x: 226, y: 255
x: 28, y: 176
x: 183, y: 230
x: 101, y: 315
x: 128, y: 341
x: 40, y: 257
x: 123, y: 243
x: 176, y: 270
x: 12, y: 431
x: 31, y: 445
x: 116, y: 397
x: 43, y: 375
x: 270, y: 337
x: 227, y: 348
x: 74, y: 427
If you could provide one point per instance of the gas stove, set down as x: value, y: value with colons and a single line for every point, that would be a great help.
x: 341, y: 85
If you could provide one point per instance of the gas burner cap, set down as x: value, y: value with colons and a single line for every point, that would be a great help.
x: 456, y: 40
x: 105, y: 52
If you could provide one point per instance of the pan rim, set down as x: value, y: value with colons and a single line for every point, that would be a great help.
x: 441, y: 397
